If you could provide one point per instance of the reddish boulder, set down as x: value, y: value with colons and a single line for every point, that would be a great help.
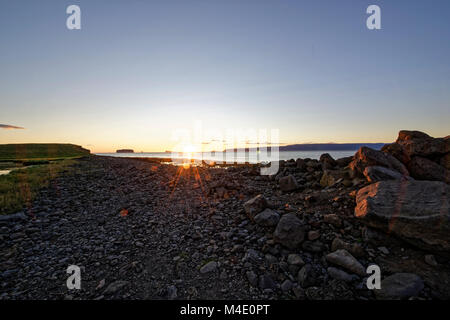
x: 366, y: 157
x: 416, y: 143
x: 397, y: 151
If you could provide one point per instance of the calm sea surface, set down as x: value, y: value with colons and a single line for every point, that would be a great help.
x: 220, y: 156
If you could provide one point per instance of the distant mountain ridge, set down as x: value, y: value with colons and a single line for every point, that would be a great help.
x: 325, y: 147
x: 330, y: 146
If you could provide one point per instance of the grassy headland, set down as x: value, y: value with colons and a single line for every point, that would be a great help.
x: 40, y: 151
x: 46, y: 161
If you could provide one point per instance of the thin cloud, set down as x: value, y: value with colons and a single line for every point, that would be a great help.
x: 7, y: 126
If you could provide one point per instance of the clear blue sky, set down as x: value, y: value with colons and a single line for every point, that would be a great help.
x: 139, y: 69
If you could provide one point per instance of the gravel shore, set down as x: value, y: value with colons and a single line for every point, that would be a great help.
x: 148, y: 230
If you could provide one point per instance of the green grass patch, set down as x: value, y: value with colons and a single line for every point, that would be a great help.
x: 20, y: 186
x: 40, y: 152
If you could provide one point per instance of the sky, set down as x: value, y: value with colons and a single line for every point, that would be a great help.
x: 138, y: 70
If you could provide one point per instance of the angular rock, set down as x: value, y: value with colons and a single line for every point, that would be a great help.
x: 366, y: 157
x: 431, y: 260
x: 397, y: 151
x: 267, y: 218
x: 288, y: 183
x: 399, y: 286
x: 306, y: 276
x: 252, y: 278
x: 327, y: 161
x: 313, y: 246
x: 286, y: 285
x: 290, y: 231
x: 376, y: 173
x: 416, y: 211
x: 255, y: 205
x: 416, y: 143
x: 355, y: 249
x: 332, y: 219
x: 424, y: 169
x: 266, y: 282
x: 295, y: 259
x: 345, y: 260
x: 209, y: 267
x: 313, y: 235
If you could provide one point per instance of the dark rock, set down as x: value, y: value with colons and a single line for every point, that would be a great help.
x: 13, y: 217
x: 424, y: 169
x: 255, y: 205
x: 290, y: 231
x: 209, y: 267
x: 341, y: 275
x: 332, y: 219
x: 345, y: 161
x: 355, y: 249
x: 397, y: 151
x: 307, y: 276
x: 327, y: 161
x: 345, y: 260
x: 267, y: 218
x: 400, y: 286
x: 288, y: 183
x: 313, y: 246
x: 295, y: 259
x: 266, y: 282
x: 252, y: 278
x: 286, y: 285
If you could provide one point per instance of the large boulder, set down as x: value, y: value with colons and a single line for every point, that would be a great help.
x: 366, y: 157
x: 416, y: 143
x: 290, y: 231
x: 255, y: 205
x: 288, y: 183
x: 425, y: 169
x: 397, y: 151
x: 445, y: 161
x: 327, y: 161
x: 416, y: 211
x: 377, y: 173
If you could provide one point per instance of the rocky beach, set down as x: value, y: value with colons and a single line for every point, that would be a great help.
x: 145, y: 229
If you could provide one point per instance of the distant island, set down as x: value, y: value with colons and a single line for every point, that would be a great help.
x: 125, y: 151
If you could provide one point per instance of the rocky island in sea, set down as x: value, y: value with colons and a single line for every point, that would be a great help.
x: 125, y: 151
